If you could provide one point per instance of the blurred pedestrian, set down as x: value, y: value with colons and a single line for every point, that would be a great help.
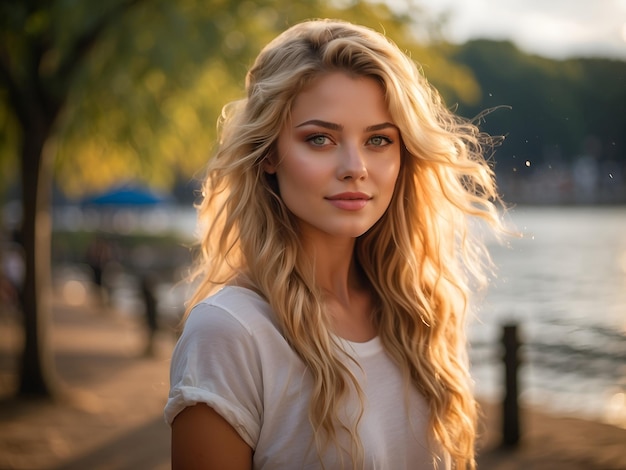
x: 98, y: 256
x: 150, y: 309
x: 12, y: 272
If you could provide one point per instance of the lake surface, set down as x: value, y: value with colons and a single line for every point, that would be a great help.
x: 564, y: 285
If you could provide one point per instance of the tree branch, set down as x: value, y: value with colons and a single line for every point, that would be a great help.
x: 85, y: 42
x: 16, y: 97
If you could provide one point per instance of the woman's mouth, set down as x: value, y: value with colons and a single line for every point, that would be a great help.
x: 350, y: 201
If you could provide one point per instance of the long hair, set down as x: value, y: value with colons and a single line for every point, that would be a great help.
x: 421, y: 258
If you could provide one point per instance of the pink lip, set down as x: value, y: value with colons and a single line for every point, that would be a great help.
x: 349, y: 201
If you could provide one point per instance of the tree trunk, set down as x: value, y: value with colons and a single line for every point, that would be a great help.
x: 38, y: 374
x: 37, y: 93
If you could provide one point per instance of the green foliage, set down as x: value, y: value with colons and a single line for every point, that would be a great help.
x: 602, y: 94
x: 551, y: 110
x: 72, y: 247
x: 140, y: 83
x: 9, y: 132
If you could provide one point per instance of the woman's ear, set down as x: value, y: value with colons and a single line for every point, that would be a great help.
x: 268, y: 165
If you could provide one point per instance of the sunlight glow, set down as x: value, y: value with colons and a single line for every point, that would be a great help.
x: 616, y: 410
x: 74, y: 293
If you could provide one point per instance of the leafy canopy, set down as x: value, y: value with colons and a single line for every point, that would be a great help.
x: 142, y: 103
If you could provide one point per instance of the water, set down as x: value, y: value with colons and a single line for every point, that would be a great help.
x: 564, y: 284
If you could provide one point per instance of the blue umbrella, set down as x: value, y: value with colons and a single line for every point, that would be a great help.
x: 126, y: 196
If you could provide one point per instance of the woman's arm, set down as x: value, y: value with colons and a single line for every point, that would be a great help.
x: 202, y: 439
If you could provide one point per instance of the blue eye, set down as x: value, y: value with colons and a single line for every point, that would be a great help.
x: 318, y: 140
x: 379, y: 140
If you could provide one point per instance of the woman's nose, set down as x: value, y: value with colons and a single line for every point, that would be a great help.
x: 351, y: 163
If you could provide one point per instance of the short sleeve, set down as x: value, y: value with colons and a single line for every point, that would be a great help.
x: 216, y: 362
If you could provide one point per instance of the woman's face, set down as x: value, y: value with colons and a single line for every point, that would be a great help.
x: 338, y: 156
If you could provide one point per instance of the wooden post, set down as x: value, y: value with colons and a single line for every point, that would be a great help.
x: 510, y: 409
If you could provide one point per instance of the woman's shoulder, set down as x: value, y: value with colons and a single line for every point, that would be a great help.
x: 232, y: 303
x: 234, y: 320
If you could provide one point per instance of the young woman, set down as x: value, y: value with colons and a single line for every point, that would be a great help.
x: 327, y: 329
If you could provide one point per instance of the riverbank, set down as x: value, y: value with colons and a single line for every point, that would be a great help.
x: 113, y: 420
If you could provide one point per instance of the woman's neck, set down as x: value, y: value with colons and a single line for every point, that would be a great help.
x: 346, y: 294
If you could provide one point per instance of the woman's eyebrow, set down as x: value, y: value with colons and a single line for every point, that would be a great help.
x: 318, y: 122
x: 380, y: 127
x: 338, y: 127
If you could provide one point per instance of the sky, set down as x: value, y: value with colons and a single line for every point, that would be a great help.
x: 551, y: 28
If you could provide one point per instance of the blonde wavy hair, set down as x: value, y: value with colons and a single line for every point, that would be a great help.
x: 421, y: 258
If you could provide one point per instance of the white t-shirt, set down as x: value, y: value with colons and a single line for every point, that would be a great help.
x: 232, y: 357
